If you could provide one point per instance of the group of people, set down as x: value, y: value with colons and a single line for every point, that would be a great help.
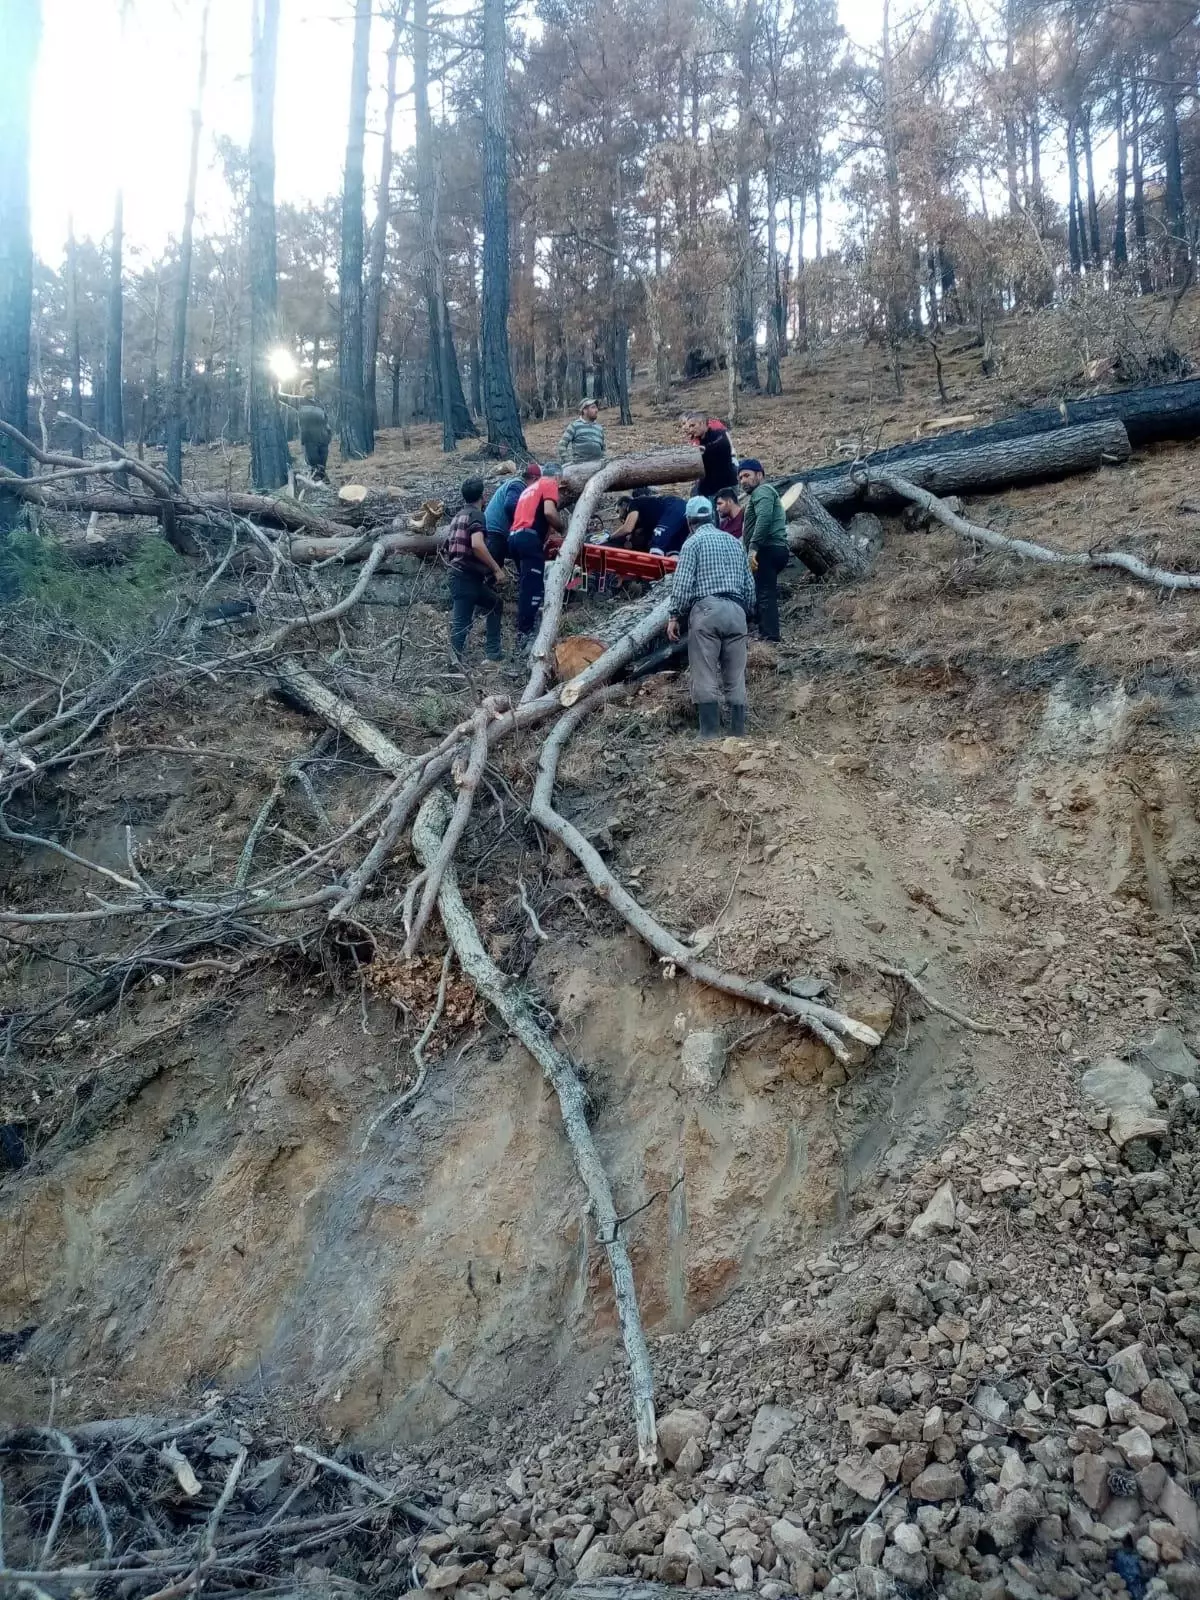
x: 729, y: 539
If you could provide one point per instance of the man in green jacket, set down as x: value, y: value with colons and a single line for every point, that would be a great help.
x: 764, y: 533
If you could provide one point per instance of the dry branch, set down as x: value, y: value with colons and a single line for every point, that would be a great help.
x: 467, y: 789
x: 1159, y: 577
x: 914, y: 983
x: 428, y: 833
x: 830, y: 1026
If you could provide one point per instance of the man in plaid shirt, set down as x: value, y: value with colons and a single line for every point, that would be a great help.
x: 712, y: 596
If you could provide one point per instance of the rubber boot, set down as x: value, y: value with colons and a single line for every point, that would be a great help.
x: 709, y: 712
x: 737, y: 719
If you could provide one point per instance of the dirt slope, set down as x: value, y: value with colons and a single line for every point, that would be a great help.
x: 966, y: 767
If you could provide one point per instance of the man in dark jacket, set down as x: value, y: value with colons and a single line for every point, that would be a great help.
x: 711, y: 438
x: 315, y: 432
x: 476, y: 577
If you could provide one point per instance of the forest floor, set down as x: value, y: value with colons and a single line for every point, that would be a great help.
x: 974, y: 769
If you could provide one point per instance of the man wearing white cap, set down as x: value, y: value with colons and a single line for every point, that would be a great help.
x: 712, y: 596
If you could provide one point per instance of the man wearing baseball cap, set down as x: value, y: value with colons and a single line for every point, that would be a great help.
x: 764, y: 533
x: 712, y: 596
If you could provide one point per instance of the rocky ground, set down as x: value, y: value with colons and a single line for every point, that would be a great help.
x: 983, y: 1389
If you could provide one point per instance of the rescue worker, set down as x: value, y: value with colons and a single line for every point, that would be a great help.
x: 764, y: 533
x: 536, y: 515
x: 498, y: 513
x: 476, y: 577
x: 712, y: 598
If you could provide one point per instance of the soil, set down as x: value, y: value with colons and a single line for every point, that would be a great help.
x: 978, y: 770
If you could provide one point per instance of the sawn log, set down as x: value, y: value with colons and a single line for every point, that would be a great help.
x: 1160, y: 411
x: 1002, y: 465
x: 638, y: 472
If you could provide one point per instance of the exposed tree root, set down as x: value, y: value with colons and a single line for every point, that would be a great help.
x: 915, y: 984
x: 428, y: 834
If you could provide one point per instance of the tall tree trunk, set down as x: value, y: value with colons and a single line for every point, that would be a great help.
x: 1073, y: 199
x: 897, y: 311
x: 184, y: 287
x: 1176, y: 209
x: 1010, y: 120
x: 356, y: 437
x: 148, y: 418
x: 747, y: 352
x: 268, y: 447
x: 377, y: 257
x: 443, y: 362
x: 74, y: 358
x: 620, y: 311
x: 1120, y: 249
x: 775, y: 304
x: 114, y: 331
x: 1035, y: 169
x: 1145, y: 281
x: 18, y: 58
x: 500, y: 409
x: 1096, y: 251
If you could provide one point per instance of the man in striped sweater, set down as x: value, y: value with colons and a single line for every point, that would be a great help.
x: 583, y: 439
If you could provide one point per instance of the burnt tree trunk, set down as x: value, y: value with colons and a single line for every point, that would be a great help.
x: 1004, y: 464
x: 500, y: 409
x: 1093, y: 212
x: 373, y: 298
x: 443, y: 360
x: 1120, y: 248
x: 1074, y: 241
x: 1176, y: 208
x: 74, y: 356
x: 747, y: 351
x: 184, y: 286
x: 114, y: 331
x: 1145, y: 281
x: 268, y: 447
x: 18, y: 58
x: 355, y: 438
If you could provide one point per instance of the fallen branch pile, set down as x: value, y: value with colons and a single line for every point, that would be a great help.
x: 148, y: 1506
x: 330, y: 885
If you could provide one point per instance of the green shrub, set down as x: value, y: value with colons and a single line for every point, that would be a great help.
x: 109, y: 601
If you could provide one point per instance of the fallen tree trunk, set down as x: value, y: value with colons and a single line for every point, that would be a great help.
x: 428, y: 833
x: 993, y: 466
x: 637, y: 472
x: 305, y: 550
x: 340, y: 714
x: 819, y: 539
x: 1157, y: 577
x: 1161, y: 411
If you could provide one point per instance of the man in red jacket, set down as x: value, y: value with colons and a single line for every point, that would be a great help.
x: 536, y: 514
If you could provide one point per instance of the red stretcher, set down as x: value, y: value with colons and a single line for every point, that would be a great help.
x: 607, y: 561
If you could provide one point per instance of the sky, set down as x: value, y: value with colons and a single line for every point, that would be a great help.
x: 108, y: 110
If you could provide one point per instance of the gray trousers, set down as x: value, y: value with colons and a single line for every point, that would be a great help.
x: 717, y: 651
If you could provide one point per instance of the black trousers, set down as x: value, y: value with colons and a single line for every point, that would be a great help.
x: 772, y: 558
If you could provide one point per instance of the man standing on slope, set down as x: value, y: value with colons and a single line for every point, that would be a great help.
x: 537, y: 514
x: 764, y: 533
x: 712, y: 595
x: 476, y: 577
x: 583, y: 439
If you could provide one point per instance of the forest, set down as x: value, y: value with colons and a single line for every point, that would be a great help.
x: 601, y: 190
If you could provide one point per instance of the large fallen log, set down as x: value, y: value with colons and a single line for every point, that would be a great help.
x: 305, y: 550
x: 1003, y: 465
x: 637, y: 472
x: 1162, y: 411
